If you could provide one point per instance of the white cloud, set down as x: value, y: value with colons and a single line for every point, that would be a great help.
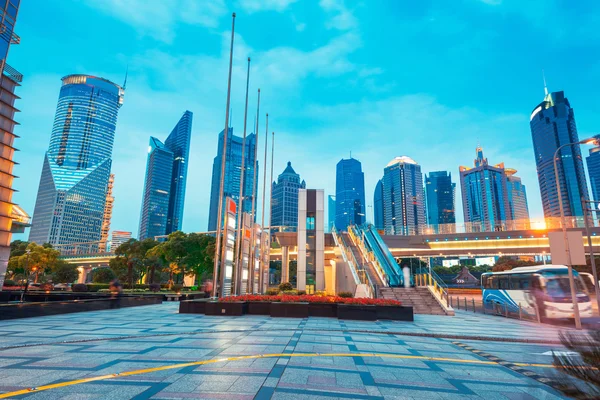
x: 158, y: 19
x: 252, y: 6
x: 342, y: 18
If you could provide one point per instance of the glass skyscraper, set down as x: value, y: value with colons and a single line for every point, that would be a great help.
x: 284, y: 198
x: 440, y: 194
x: 552, y: 125
x: 349, y: 194
x: 70, y: 203
x: 233, y: 166
x: 378, y: 206
x: 484, y: 194
x: 517, y: 196
x: 593, y: 166
x: 403, y: 205
x: 164, y: 186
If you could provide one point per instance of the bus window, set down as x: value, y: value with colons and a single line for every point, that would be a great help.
x: 485, y: 281
x: 493, y: 282
x: 504, y: 282
x: 521, y: 281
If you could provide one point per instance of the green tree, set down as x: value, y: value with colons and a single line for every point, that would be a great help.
x: 130, y: 253
x: 118, y: 265
x: 200, y: 254
x: 18, y: 248
x: 36, y: 259
x: 63, y: 272
x: 103, y: 275
x: 172, y: 252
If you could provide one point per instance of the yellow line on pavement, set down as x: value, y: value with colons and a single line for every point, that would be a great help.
x: 237, y: 358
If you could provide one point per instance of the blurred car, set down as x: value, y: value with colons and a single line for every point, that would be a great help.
x: 64, y: 287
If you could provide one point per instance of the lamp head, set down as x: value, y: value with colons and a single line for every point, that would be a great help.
x: 594, y: 140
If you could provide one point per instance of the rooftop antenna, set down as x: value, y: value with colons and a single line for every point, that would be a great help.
x: 350, y: 153
x: 545, y: 87
x: 126, y: 73
x: 230, y: 116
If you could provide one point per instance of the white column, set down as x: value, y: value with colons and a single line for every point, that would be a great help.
x: 285, y: 264
x: 301, y: 232
x: 320, y: 241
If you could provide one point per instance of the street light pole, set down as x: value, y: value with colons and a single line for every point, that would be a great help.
x: 564, y: 228
x: 592, y: 259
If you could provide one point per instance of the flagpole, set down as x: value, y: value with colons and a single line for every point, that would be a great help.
x: 270, y: 206
x: 223, y: 157
x: 238, y: 236
x: 262, y: 223
x: 252, y: 218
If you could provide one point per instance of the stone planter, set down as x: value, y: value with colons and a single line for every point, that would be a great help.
x: 328, y: 310
x: 226, y: 308
x: 259, y: 307
x: 396, y: 313
x: 289, y: 310
x: 356, y: 312
x: 193, y: 306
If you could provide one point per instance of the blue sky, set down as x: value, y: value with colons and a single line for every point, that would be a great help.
x: 428, y: 79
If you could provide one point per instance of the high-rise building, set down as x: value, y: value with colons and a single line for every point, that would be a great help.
x: 440, y: 194
x: 349, y: 194
x: 233, y: 166
x: 118, y: 238
x: 403, y: 205
x: 330, y: 212
x: 284, y: 198
x: 378, y: 206
x: 72, y: 193
x: 10, y: 79
x: 108, y: 208
x: 517, y: 196
x: 593, y: 166
x: 552, y: 125
x: 484, y: 194
x: 164, y: 186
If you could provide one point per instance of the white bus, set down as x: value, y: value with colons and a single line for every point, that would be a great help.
x: 545, y: 287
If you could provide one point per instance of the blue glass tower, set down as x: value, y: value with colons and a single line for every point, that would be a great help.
x: 349, y: 194
x: 484, y: 194
x: 593, y: 165
x: 70, y: 203
x: 164, y: 186
x: 233, y: 167
x: 378, y: 206
x: 517, y: 196
x: 403, y: 205
x: 440, y: 191
x: 284, y: 198
x: 552, y: 125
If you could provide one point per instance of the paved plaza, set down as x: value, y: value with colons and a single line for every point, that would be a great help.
x: 152, y: 352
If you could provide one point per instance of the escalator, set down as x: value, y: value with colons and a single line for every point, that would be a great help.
x: 366, y: 265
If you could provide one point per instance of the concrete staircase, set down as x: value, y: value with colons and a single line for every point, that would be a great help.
x: 420, y: 298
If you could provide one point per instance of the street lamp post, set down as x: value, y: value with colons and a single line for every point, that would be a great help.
x: 592, y: 140
x: 26, y: 274
x: 585, y: 203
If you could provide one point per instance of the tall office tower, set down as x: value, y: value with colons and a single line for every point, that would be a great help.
x: 10, y: 79
x: 330, y: 212
x: 284, y: 200
x: 517, y: 196
x: 552, y: 125
x: 593, y: 165
x: 403, y: 205
x: 440, y: 192
x: 108, y: 208
x: 72, y: 193
x: 164, y: 186
x: 118, y: 238
x: 484, y: 194
x: 233, y: 167
x: 349, y: 194
x: 378, y: 206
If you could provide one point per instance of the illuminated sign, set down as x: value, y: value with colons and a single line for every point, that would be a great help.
x: 229, y: 242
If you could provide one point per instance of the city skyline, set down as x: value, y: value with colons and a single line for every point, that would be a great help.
x: 470, y: 119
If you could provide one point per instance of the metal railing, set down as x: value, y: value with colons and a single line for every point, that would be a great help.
x: 478, y: 306
x: 425, y: 278
x: 360, y: 276
x: 357, y: 239
x: 363, y: 276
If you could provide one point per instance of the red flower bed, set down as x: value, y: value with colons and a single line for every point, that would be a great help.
x: 307, y: 298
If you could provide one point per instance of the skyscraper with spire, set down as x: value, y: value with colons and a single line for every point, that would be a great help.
x: 552, y: 124
x: 75, y: 174
x: 284, y: 198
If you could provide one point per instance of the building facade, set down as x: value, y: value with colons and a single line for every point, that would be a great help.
x: 349, y: 194
x: 11, y: 218
x: 284, y: 198
x: 72, y: 193
x: 593, y: 166
x: 484, y: 194
x: 378, y: 206
x: 108, y: 209
x: 552, y: 125
x: 440, y: 194
x: 517, y: 196
x: 164, y: 186
x: 118, y: 238
x: 233, y: 166
x: 403, y: 203
x: 330, y: 212
x: 311, y: 240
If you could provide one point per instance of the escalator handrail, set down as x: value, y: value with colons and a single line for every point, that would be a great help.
x: 393, y: 277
